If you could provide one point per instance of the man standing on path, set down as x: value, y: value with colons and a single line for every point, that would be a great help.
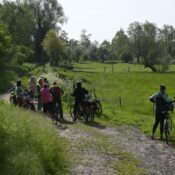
x: 57, y: 92
x: 162, y: 103
x: 79, y: 94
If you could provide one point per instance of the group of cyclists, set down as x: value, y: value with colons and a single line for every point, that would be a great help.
x: 48, y: 97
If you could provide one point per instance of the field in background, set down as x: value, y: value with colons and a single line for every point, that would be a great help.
x: 118, y: 67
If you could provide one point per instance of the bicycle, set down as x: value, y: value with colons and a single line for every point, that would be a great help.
x: 167, y: 125
x: 80, y: 112
x: 87, y: 109
x: 26, y: 101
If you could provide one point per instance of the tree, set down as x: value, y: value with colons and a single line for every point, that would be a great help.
x: 136, y: 36
x: 121, y: 46
x: 20, y: 22
x: 104, y: 51
x: 47, y: 14
x: 53, y: 46
x: 93, y: 51
x: 85, y: 43
x: 75, y: 45
x: 146, y: 45
x: 5, y: 43
x: 167, y: 39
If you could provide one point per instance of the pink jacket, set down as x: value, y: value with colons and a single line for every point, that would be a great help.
x: 46, y: 96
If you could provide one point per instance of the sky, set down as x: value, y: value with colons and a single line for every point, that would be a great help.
x: 103, y: 18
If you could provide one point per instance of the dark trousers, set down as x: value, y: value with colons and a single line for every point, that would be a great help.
x: 159, y: 118
x: 47, y: 107
x: 76, y: 109
x: 58, y: 105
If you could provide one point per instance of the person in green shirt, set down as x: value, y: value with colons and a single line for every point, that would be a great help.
x: 162, y: 103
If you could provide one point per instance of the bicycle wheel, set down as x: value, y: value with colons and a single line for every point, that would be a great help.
x: 92, y: 116
x: 89, y: 117
x: 166, y: 129
x: 99, y: 108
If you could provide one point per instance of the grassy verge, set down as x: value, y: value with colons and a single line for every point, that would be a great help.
x: 29, y: 144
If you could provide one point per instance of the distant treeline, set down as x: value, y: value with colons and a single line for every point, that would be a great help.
x: 30, y: 32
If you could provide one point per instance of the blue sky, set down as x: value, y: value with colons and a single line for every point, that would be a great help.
x: 102, y: 18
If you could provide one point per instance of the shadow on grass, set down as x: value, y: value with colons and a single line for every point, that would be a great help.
x: 66, y: 122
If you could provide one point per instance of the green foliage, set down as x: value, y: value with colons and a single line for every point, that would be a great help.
x: 6, y: 80
x: 5, y: 43
x: 22, y: 54
x: 151, y: 46
x: 53, y: 46
x: 19, y: 20
x: 29, y: 144
x: 47, y: 15
x: 121, y: 46
x: 104, y: 51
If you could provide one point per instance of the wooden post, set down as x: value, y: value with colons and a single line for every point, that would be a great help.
x: 128, y: 69
x: 120, y: 101
x: 112, y: 68
x: 104, y: 69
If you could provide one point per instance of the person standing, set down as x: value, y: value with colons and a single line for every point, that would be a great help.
x: 40, y: 84
x: 32, y: 86
x: 19, y: 93
x: 162, y: 102
x: 57, y: 92
x: 46, y: 98
x: 79, y: 94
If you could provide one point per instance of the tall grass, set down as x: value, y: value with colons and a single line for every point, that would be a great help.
x: 30, y: 144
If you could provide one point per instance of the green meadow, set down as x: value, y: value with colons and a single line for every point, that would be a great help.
x: 125, y: 92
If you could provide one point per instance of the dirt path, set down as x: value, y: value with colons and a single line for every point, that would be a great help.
x: 5, y: 97
x: 157, y: 157
x: 98, y: 150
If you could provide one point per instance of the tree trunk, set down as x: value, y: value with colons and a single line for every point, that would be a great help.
x: 152, y: 67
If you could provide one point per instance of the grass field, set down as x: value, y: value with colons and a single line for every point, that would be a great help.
x: 133, y: 88
x: 29, y: 144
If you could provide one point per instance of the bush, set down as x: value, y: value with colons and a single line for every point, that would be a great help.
x: 6, y: 80
x: 22, y: 54
x: 29, y: 144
